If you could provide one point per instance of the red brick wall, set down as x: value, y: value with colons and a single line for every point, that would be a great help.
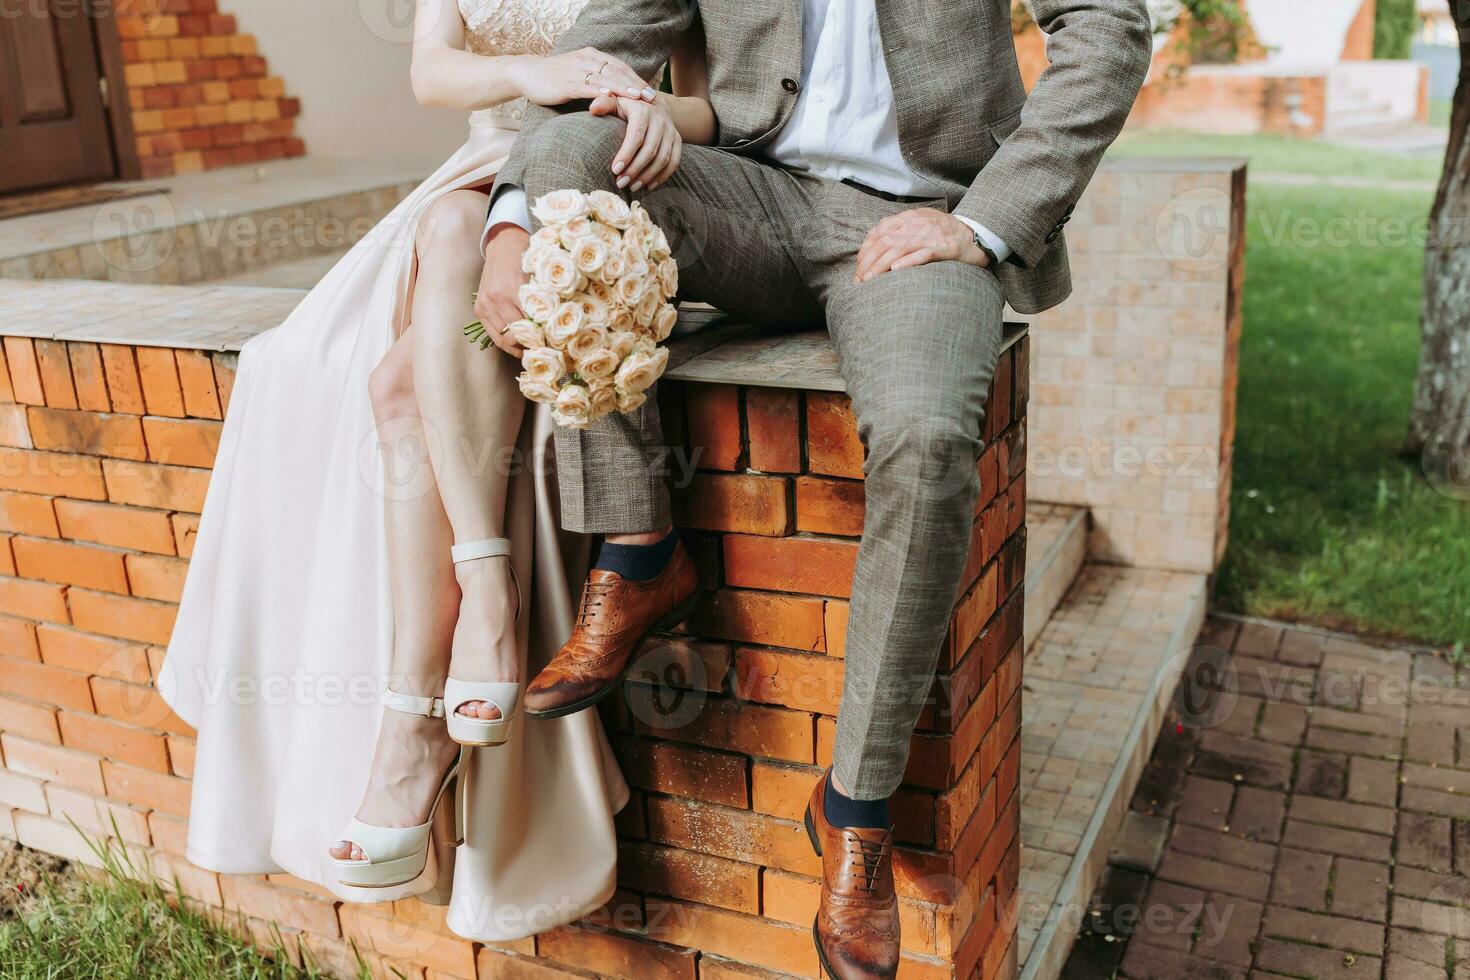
x: 1200, y: 100
x: 104, y: 459
x: 200, y: 93
x: 1358, y: 46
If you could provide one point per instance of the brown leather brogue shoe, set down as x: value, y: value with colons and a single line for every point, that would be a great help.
x: 615, y: 615
x: 856, y: 930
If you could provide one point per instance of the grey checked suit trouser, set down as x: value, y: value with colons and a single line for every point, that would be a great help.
x: 917, y: 347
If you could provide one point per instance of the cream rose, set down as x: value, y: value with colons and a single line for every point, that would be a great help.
x: 556, y: 271
x: 537, y: 302
x: 536, y: 391
x: 590, y: 338
x: 668, y: 277
x: 604, y: 397
x: 630, y: 289
x: 658, y: 244
x: 641, y: 370
x: 648, y: 306
x: 573, y: 407
x: 636, y: 259
x: 545, y: 238
x: 526, y: 333
x: 599, y: 364
x: 590, y: 255
x: 564, y: 324
x: 545, y: 366
x: 629, y: 401
x: 621, y: 342
x: 569, y: 234
x: 607, y: 207
x: 559, y: 207
x: 663, y: 323
x: 609, y: 235
x: 595, y: 310
x: 600, y: 291
x: 614, y: 268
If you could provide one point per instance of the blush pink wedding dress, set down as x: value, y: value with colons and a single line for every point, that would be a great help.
x: 283, y: 638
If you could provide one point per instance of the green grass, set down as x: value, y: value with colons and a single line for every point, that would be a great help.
x: 1330, y: 523
x: 57, y: 925
x: 1285, y: 155
x: 1439, y: 112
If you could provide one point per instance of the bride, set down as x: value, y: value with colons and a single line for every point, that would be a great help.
x: 381, y: 496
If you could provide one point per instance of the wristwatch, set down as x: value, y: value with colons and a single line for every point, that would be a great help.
x: 989, y: 253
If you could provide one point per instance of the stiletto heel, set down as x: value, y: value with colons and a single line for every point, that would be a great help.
x: 395, y: 855
x: 502, y: 694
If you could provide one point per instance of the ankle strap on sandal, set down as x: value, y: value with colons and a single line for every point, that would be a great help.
x: 485, y: 548
x: 411, y: 704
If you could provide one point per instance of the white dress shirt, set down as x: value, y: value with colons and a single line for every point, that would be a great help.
x: 844, y: 125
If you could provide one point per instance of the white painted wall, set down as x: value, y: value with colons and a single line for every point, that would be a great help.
x: 347, y: 60
x: 1303, y: 32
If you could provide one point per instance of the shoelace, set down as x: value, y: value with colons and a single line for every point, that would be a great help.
x: 873, y: 855
x: 592, y: 595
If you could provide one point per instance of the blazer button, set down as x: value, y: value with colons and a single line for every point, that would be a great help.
x: 1055, y: 234
x: 789, y: 84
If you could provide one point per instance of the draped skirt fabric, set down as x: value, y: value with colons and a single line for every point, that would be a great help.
x: 283, y: 639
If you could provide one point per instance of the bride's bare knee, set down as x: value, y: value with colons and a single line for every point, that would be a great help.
x: 390, y: 386
x: 450, y: 228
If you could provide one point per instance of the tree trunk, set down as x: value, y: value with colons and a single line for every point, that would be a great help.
x: 1440, y: 428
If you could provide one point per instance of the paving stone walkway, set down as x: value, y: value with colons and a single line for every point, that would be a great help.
x: 1306, y: 813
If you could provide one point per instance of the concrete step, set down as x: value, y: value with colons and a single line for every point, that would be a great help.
x: 1095, y: 691
x: 1056, y: 545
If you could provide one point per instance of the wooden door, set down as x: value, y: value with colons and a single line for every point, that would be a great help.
x: 53, y: 116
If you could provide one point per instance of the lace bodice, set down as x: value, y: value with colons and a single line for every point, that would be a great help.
x: 495, y: 27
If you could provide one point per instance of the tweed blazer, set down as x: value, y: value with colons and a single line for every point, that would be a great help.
x: 1016, y: 164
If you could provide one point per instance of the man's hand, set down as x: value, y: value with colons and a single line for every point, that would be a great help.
x: 497, y: 302
x: 916, y: 237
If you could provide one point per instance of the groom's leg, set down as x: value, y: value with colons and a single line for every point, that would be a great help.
x: 731, y: 254
x: 918, y: 350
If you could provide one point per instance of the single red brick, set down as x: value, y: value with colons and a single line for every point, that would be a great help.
x: 749, y: 938
x: 25, y: 373
x: 612, y: 954
x: 25, y: 513
x: 136, y: 704
x: 99, y: 816
x: 721, y: 502
x: 773, y: 416
x: 18, y: 639
x: 803, y: 681
x: 829, y: 506
x: 35, y: 720
x: 71, y: 564
x: 835, y: 623
x: 131, y: 619
x: 155, y: 577
x: 155, y: 485
x: 186, y: 529
x: 15, y: 427
x: 762, y: 617
x: 817, y: 566
x: 684, y: 770
x: 142, y: 787
x: 181, y: 755
x: 55, y: 368
x: 7, y: 393
x: 51, y: 474
x: 123, y: 385
x: 724, y: 723
x: 196, y: 377
x: 182, y: 443
x: 111, y: 740
x: 89, y: 377
x: 87, y: 433
x: 33, y: 600
x: 52, y: 762
x: 224, y: 378
x: 159, y: 375
x: 131, y: 528
x: 833, y: 447
x: 72, y: 649
x: 713, y: 413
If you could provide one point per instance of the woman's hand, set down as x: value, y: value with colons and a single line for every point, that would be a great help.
x: 584, y: 74
x: 652, y: 146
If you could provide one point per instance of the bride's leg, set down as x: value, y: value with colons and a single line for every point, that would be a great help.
x: 412, y: 751
x: 472, y: 410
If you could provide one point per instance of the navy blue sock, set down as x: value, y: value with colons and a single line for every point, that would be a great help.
x: 844, y: 812
x: 637, y: 562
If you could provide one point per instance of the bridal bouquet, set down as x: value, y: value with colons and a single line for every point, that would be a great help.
x: 597, y: 306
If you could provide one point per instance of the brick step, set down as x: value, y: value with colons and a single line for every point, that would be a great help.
x: 1097, y: 686
x: 1056, y: 546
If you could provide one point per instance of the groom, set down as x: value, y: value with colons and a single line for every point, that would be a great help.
x: 881, y: 169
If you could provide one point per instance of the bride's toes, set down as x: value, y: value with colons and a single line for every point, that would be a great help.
x: 342, y: 850
x: 482, y: 710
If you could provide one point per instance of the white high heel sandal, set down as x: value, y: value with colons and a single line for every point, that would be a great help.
x: 395, y: 855
x: 502, y: 694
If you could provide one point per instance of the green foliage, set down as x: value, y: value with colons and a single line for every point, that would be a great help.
x: 121, y: 923
x: 1219, y: 31
x: 1393, y: 30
